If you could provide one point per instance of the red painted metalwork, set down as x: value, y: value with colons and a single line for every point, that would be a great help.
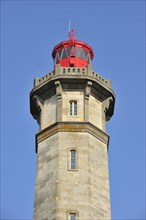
x: 72, y: 52
x: 71, y: 34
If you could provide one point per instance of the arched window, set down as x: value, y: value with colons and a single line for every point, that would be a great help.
x: 72, y: 216
x: 73, y: 108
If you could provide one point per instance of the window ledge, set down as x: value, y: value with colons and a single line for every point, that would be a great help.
x: 72, y: 170
x: 73, y: 116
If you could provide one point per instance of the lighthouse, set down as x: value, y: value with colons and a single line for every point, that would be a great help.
x: 72, y: 105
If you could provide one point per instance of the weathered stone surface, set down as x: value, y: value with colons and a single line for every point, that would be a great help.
x: 60, y: 190
x: 46, y: 177
x: 95, y: 112
x: 48, y: 113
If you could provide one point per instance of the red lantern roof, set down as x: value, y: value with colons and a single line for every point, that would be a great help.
x: 72, y: 53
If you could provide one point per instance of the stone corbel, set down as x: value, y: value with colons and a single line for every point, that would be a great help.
x: 39, y: 102
x: 88, y: 89
x: 58, y: 89
x: 86, y: 103
x: 38, y: 105
x: 106, y: 107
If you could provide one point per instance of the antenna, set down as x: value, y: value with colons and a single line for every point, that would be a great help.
x: 71, y: 32
x: 69, y: 26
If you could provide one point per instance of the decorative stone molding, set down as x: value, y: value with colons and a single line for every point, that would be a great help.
x: 59, y: 97
x: 86, y: 95
x: 88, y: 89
x: 58, y: 89
x: 56, y: 84
x: 72, y: 127
x: 37, y: 106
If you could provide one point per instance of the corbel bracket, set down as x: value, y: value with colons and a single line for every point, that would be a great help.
x: 107, y: 103
x: 88, y: 90
x: 58, y: 89
x: 37, y: 107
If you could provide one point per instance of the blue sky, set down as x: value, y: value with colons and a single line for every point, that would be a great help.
x: 116, y: 32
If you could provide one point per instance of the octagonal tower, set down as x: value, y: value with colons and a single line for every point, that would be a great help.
x: 72, y: 104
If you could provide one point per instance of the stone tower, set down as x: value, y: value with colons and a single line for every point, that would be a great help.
x: 72, y: 105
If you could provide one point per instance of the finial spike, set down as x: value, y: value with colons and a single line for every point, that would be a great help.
x: 69, y: 26
x: 71, y: 31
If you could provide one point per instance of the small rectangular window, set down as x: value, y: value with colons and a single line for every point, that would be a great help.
x: 73, y: 159
x: 73, y: 108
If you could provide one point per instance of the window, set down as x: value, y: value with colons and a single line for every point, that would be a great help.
x: 68, y: 49
x: 57, y: 58
x: 73, y: 52
x: 73, y: 108
x: 82, y: 55
x: 86, y: 54
x: 78, y: 51
x: 63, y: 54
x: 73, y: 159
x: 72, y: 162
x: 60, y: 52
x: 72, y: 216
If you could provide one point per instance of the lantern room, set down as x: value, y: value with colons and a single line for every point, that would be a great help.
x: 72, y: 53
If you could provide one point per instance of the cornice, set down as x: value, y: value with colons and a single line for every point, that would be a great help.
x: 85, y: 127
